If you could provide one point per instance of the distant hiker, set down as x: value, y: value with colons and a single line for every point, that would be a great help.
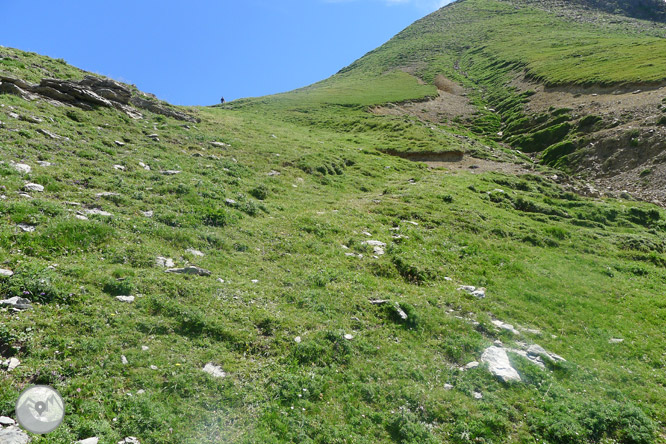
x: 222, y: 100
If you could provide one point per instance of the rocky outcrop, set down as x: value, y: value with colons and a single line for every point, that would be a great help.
x: 89, y: 93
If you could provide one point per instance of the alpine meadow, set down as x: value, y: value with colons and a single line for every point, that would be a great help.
x: 458, y: 238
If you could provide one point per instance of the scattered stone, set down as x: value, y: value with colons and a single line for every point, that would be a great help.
x: 471, y: 365
x: 21, y: 168
x: 98, y: 212
x: 119, y: 143
x: 148, y: 213
x: 255, y: 281
x: 164, y: 262
x: 190, y: 269
x: 6, y: 273
x: 537, y: 350
x: 400, y: 312
x: 504, y: 326
x: 379, y: 301
x: 214, y: 370
x: 273, y: 173
x: 27, y: 196
x: 119, y: 167
x: 124, y: 360
x: 16, y: 302
x: 80, y: 217
x: 448, y: 387
x: 499, y: 364
x: 349, y: 337
x: 31, y: 119
x: 107, y: 193
x: 478, y: 293
x: 220, y: 280
x: 88, y: 441
x: 447, y: 279
x: 130, y: 440
x: 615, y: 341
x: 11, y: 364
x: 33, y: 187
x: 13, y: 435
x: 127, y: 299
x: 155, y: 137
x: 6, y: 421
x: 378, y: 246
x: 477, y: 395
x: 140, y: 392
x: 144, y: 166
x: 144, y: 348
x: 220, y: 144
x: 195, y: 252
x: 153, y: 367
x: 26, y: 228
x: 44, y: 163
x: 297, y: 339
x: 230, y: 201
x: 49, y: 134
x: 171, y: 172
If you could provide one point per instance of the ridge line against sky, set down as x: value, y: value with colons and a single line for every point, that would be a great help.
x: 197, y: 54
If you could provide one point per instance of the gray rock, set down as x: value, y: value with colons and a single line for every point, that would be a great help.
x: 11, y: 364
x: 127, y: 299
x: 471, y: 365
x: 171, y: 172
x: 33, y: 187
x: 499, y: 364
x: 13, y: 435
x: 16, y: 302
x: 6, y: 421
x: 220, y: 144
x: 505, y: 326
x: 214, y: 370
x: 195, y: 252
x: 164, y: 262
x: 400, y: 312
x: 49, y: 134
x: 190, y: 269
x: 22, y: 168
x: 148, y: 213
x: 537, y: 350
x: 479, y: 293
x: 6, y: 273
x: 98, y: 212
x: 107, y: 193
x: 44, y: 163
x: 27, y: 228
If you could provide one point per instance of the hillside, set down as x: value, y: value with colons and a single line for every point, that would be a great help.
x: 280, y: 270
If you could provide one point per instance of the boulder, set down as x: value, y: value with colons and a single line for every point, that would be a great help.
x: 33, y: 187
x: 499, y: 364
x: 13, y: 435
x: 6, y: 273
x: 16, y: 302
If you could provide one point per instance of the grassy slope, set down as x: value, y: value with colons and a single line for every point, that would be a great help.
x: 580, y: 271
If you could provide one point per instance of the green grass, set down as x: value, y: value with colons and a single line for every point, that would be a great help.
x: 306, y: 174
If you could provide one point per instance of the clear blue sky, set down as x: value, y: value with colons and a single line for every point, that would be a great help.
x: 194, y: 52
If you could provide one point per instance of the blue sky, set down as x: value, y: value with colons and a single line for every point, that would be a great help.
x: 192, y: 53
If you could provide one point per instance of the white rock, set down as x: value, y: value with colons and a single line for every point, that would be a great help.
x: 27, y: 228
x: 6, y: 273
x: 499, y: 364
x: 230, y: 201
x: 22, y: 168
x: 255, y: 281
x: 190, y: 269
x: 80, y: 217
x: 615, y: 340
x: 374, y: 243
x: 477, y: 395
x: 13, y: 435
x: 6, y: 421
x: 128, y: 299
x: 16, y: 302
x: 94, y: 440
x: 214, y: 370
x: 145, y: 348
x: 479, y: 293
x: 130, y: 440
x: 119, y: 167
x: 537, y: 350
x: 106, y: 194
x: 297, y: 339
x: 195, y: 252
x: 44, y: 163
x: 349, y: 337
x: 505, y: 326
x: 119, y: 143
x: 471, y: 365
x: 33, y: 187
x: 447, y: 279
x: 171, y: 172
x: 147, y: 213
x: 140, y: 392
x: 448, y: 387
x: 97, y: 211
x: 124, y: 360
x: 220, y: 144
x: 153, y: 367
x: 400, y: 312
x: 12, y: 363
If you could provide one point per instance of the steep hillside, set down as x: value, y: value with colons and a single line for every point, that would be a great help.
x: 273, y: 270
